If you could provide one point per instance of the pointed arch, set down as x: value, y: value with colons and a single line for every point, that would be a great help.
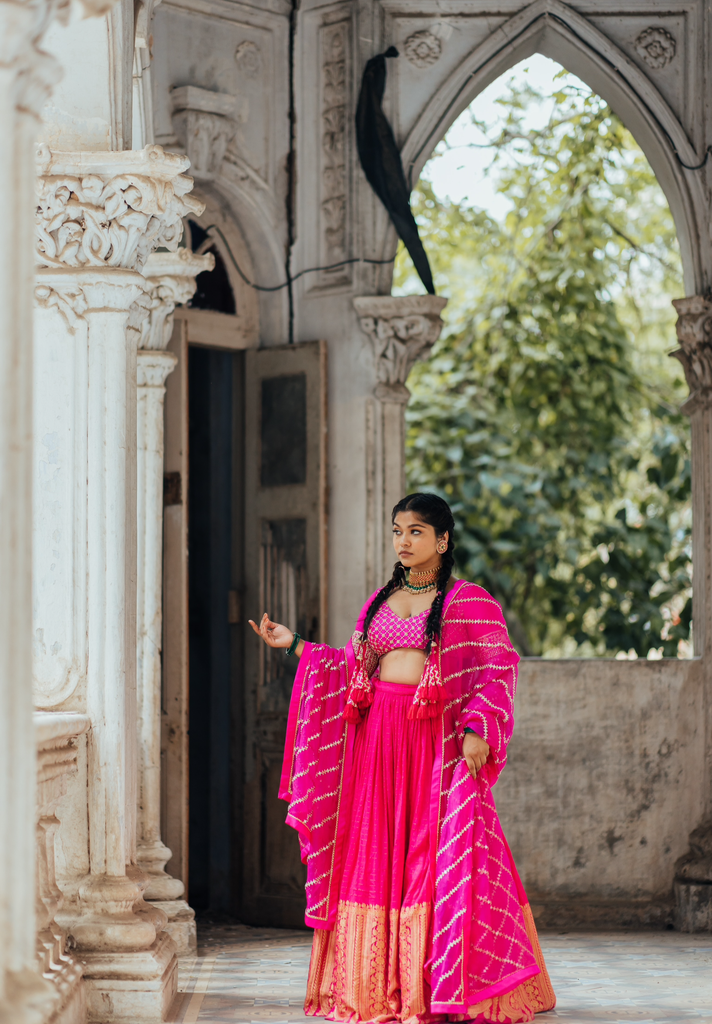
x: 553, y: 29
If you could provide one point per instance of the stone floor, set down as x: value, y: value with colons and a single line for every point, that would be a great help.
x: 257, y: 976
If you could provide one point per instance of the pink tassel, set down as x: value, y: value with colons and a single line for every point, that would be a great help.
x: 430, y: 710
x: 428, y: 701
x: 359, y: 697
x: 352, y: 714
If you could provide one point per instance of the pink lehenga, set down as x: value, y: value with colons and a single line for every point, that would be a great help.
x: 418, y: 910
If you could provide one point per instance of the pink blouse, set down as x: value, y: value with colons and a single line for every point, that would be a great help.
x: 389, y: 632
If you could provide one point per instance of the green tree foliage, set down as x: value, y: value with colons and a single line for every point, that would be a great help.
x: 547, y: 413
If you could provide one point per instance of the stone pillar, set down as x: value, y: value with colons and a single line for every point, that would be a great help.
x: 693, y: 872
x: 26, y: 77
x: 171, y: 280
x: 99, y: 215
x: 401, y: 329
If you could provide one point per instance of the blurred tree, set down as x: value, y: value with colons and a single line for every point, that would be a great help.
x: 547, y: 413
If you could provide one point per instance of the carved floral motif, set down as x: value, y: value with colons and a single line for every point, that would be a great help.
x: 249, y: 59
x: 94, y: 212
x: 68, y: 298
x: 333, y: 140
x: 402, y: 330
x: 422, y: 49
x: 694, y: 332
x: 656, y: 46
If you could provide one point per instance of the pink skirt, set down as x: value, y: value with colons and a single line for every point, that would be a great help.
x: 371, y: 967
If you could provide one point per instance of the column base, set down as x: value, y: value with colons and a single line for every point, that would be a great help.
x: 693, y: 906
x: 152, y: 859
x: 131, y: 988
x: 162, y: 886
x: 181, y: 925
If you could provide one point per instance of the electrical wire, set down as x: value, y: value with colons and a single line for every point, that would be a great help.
x: 294, y: 277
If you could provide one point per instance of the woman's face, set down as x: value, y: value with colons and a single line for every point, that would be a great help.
x: 415, y: 541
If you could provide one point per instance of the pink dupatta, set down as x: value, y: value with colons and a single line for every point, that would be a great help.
x: 483, y: 938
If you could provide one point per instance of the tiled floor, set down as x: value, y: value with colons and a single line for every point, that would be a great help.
x: 257, y: 976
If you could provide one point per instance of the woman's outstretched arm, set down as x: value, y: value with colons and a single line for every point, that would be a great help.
x: 276, y: 635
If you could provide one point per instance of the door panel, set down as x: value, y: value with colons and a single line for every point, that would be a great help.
x: 285, y: 575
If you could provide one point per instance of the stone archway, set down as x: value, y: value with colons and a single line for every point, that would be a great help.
x: 632, y: 885
x: 555, y: 30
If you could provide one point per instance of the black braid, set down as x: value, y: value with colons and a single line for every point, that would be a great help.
x: 395, y: 583
x: 435, y: 511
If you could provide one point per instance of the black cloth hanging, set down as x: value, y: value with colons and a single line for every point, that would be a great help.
x: 381, y: 162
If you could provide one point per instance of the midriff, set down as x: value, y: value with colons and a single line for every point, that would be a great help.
x: 404, y: 665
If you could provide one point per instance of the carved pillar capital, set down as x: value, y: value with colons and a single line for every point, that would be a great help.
x: 110, y: 209
x: 152, y: 368
x: 694, y: 332
x: 171, y: 280
x: 206, y: 123
x: 402, y: 329
x: 76, y: 292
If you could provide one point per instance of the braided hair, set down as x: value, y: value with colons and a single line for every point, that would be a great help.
x: 436, y: 512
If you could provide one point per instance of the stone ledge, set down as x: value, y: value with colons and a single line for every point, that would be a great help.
x: 587, y: 914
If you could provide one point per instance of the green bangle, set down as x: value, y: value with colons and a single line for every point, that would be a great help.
x: 293, y: 646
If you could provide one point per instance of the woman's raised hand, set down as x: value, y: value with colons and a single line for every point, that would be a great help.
x: 272, y: 633
x: 475, y: 751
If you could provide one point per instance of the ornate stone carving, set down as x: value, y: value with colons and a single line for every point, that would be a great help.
x: 694, y: 332
x: 171, y: 282
x: 402, y: 329
x: 66, y: 296
x: 206, y: 123
x: 422, y: 49
x: 656, y: 46
x: 333, y: 140
x: 110, y: 209
x: 57, y: 736
x: 248, y: 58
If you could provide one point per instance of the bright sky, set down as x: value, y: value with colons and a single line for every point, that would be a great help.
x: 459, y: 173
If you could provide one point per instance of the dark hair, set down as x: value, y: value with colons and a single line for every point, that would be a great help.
x: 436, y: 512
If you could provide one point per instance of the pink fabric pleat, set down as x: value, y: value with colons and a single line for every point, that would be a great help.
x: 388, y: 849
x: 372, y: 966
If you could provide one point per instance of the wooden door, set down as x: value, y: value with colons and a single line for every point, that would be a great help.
x: 285, y: 575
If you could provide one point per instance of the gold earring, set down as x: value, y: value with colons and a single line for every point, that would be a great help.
x: 442, y: 548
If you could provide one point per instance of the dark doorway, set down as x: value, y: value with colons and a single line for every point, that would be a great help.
x: 214, y: 397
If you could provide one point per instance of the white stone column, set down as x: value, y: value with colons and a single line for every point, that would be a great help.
x: 171, y: 281
x: 99, y: 215
x: 401, y: 329
x: 26, y: 77
x: 693, y: 872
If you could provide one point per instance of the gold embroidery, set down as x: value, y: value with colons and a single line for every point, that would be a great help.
x: 371, y: 966
x: 539, y: 989
x: 535, y: 995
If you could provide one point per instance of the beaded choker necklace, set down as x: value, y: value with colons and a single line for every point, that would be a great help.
x: 421, y: 581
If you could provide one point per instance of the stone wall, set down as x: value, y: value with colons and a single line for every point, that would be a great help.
x: 603, y: 786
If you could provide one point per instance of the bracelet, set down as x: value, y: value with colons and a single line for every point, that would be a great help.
x: 293, y: 646
x: 468, y: 729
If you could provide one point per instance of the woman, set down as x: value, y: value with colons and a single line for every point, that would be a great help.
x: 393, y: 745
